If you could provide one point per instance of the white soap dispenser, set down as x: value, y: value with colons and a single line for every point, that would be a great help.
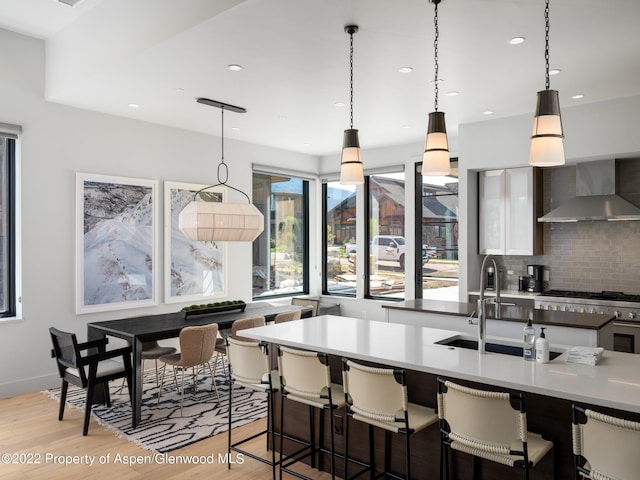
x: 529, y: 347
x: 542, y: 348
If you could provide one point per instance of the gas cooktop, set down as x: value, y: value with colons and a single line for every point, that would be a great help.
x: 604, y: 295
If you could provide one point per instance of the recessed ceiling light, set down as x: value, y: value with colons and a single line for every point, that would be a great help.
x: 555, y: 71
x: 453, y: 93
x: 234, y: 67
x: 235, y: 129
x: 405, y: 69
x: 179, y: 90
x: 339, y: 104
x: 516, y: 40
x: 134, y: 105
x: 306, y: 144
x: 578, y: 96
x: 487, y: 112
x: 440, y: 80
x: 406, y: 126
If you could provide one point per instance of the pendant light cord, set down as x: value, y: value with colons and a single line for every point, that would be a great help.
x: 351, y: 73
x: 220, y: 165
x: 435, y: 56
x: 546, y: 44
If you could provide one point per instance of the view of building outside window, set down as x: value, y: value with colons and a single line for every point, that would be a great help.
x: 280, y: 252
x: 340, y: 238
x: 440, y: 269
x: 387, y: 245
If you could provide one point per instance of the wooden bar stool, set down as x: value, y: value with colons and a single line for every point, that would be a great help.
x: 489, y: 425
x: 605, y: 447
x: 305, y: 378
x: 379, y: 398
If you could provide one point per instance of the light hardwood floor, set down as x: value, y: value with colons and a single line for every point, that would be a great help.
x: 29, y: 426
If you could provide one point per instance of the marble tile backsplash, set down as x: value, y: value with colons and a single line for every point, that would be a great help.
x: 591, y: 256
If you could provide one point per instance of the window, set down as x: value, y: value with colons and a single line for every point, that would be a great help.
x: 387, y: 248
x: 7, y: 224
x: 339, y: 238
x: 437, y: 231
x: 280, y: 253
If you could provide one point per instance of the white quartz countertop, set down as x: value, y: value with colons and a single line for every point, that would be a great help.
x: 614, y: 382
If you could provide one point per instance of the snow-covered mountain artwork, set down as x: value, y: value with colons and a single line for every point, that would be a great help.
x: 193, y: 270
x: 118, y: 243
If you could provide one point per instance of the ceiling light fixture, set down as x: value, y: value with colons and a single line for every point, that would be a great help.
x: 234, y: 67
x: 435, y: 160
x: 578, y: 96
x: 546, y: 141
x: 221, y: 221
x: 351, y: 172
x: 516, y: 40
x: 405, y: 69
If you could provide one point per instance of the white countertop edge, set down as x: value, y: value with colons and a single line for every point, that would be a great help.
x: 614, y: 383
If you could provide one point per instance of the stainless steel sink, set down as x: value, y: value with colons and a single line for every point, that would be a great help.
x: 490, y: 347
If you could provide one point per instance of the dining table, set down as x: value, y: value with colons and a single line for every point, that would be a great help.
x: 139, y: 329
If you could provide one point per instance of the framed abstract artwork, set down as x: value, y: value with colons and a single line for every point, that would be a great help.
x: 116, y: 243
x: 194, y: 271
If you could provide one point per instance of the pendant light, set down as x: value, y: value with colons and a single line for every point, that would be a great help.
x: 221, y: 221
x: 436, y: 149
x: 351, y: 172
x: 547, y: 147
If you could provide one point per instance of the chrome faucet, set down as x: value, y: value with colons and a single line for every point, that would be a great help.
x: 482, y: 316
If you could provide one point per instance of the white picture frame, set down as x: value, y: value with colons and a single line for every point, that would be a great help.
x: 116, y: 243
x: 194, y: 272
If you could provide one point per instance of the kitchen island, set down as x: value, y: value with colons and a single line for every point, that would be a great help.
x: 568, y: 328
x: 612, y: 387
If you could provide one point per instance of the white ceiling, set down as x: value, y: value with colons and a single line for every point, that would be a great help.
x: 103, y: 55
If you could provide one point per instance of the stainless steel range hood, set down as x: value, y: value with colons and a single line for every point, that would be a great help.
x: 596, y: 199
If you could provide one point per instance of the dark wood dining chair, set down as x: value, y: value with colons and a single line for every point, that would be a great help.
x: 88, y: 370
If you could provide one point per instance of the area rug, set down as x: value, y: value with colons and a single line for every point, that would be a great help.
x: 162, y: 428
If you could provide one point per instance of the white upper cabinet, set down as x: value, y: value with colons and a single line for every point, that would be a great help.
x: 510, y: 202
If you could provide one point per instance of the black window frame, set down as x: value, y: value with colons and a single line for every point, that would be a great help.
x: 10, y: 303
x: 418, y: 208
x: 305, y: 240
x: 325, y: 258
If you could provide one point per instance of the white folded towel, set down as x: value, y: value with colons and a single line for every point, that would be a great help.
x: 585, y: 355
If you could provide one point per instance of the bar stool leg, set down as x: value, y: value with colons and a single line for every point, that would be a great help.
x: 312, y: 436
x: 346, y: 446
x: 231, y: 382
x: 372, y: 470
x: 408, y: 441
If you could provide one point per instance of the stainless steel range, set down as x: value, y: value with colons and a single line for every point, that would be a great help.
x: 625, y: 307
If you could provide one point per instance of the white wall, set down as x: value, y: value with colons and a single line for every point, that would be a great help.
x: 57, y: 142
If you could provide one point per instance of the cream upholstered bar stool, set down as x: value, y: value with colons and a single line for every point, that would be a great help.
x: 236, y: 326
x: 379, y: 397
x: 486, y: 425
x: 305, y: 378
x: 250, y: 367
x: 197, y: 345
x: 605, y: 447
